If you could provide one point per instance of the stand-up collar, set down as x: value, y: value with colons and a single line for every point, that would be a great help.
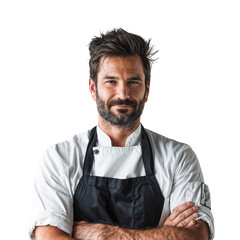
x: 132, y: 140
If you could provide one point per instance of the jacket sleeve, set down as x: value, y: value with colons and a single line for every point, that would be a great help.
x: 53, y: 203
x: 188, y: 185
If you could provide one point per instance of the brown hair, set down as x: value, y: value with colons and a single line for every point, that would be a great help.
x: 119, y: 42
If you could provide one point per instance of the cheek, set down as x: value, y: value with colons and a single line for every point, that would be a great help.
x: 106, y: 94
x: 138, y: 94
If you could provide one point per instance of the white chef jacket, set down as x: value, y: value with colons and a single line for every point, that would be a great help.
x: 175, y: 164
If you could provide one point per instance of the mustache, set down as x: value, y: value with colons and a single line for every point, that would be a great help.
x: 122, y: 102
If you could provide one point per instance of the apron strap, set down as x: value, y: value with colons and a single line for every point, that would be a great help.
x: 147, y: 153
x: 89, y: 157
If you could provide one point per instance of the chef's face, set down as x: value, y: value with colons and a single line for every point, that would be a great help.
x: 121, y: 92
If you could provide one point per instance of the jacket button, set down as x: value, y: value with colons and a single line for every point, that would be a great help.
x: 96, y: 151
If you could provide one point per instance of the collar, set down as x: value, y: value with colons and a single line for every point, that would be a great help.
x: 132, y: 140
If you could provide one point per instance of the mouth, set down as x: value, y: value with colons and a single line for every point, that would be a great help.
x: 122, y: 106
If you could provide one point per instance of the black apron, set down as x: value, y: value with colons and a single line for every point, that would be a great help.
x: 135, y: 203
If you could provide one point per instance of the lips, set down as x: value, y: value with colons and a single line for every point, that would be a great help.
x: 122, y: 106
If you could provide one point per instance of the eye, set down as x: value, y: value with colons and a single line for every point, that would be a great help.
x: 133, y: 82
x: 111, y: 82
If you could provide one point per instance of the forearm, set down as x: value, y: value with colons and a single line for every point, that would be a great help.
x: 50, y: 233
x: 166, y: 233
x: 102, y: 231
x: 163, y: 233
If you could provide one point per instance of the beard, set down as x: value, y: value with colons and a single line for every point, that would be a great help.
x: 123, y: 118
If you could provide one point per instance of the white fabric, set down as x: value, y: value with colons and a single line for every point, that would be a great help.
x: 176, y: 168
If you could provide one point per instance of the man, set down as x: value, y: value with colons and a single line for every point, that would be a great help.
x: 119, y: 180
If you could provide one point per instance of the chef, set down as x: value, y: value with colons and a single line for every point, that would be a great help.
x: 120, y: 180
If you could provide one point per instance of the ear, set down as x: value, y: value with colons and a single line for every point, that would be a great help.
x: 147, y: 90
x: 92, y: 89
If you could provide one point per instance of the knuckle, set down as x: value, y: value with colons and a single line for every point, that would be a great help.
x: 182, y: 216
x: 184, y: 223
x: 176, y: 210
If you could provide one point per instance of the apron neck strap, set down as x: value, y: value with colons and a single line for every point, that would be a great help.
x: 147, y: 153
x: 89, y: 157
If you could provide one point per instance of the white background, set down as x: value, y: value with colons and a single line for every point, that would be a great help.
x: 44, y: 95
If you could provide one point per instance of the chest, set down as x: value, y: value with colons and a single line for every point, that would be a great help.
x: 118, y: 162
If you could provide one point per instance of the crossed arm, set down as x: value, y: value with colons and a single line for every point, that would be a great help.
x: 179, y: 225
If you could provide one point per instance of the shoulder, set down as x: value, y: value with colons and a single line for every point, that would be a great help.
x: 166, y: 144
x: 66, y: 152
x: 78, y: 140
x: 171, y: 151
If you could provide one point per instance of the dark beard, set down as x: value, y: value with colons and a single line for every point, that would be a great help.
x: 124, y: 119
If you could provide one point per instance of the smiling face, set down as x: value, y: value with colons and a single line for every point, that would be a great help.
x: 121, y: 92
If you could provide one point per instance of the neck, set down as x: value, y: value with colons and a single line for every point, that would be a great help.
x: 117, y: 134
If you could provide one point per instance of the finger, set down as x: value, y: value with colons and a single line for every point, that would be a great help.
x: 190, y: 220
x: 186, y: 216
x: 192, y: 223
x: 180, y: 209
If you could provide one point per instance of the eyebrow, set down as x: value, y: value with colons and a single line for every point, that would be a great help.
x: 135, y: 78
x: 110, y: 77
x: 129, y: 79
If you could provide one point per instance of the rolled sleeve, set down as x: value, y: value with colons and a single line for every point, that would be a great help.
x: 53, y: 201
x: 189, y: 186
x: 53, y: 218
x: 199, y: 194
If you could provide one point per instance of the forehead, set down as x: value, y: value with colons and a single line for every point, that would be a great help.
x: 117, y: 64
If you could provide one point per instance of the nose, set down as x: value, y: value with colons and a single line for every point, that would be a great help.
x: 122, y: 91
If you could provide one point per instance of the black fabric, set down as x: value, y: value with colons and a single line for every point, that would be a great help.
x: 131, y: 203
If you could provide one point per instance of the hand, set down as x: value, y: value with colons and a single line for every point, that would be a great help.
x: 183, y: 216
